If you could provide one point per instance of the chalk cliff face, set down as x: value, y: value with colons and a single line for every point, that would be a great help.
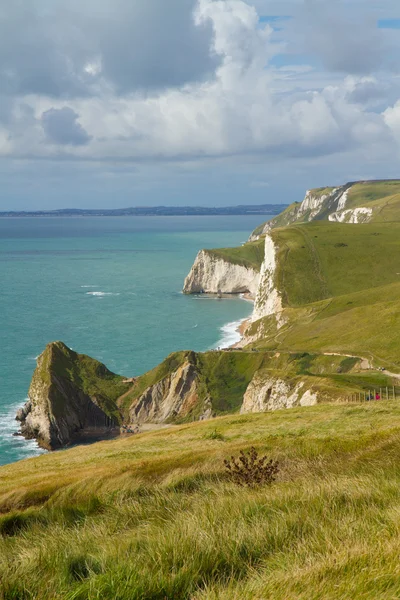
x: 318, y: 204
x: 212, y: 274
x: 62, y: 406
x: 173, y: 397
x: 268, y: 299
x: 266, y: 393
x: 355, y: 215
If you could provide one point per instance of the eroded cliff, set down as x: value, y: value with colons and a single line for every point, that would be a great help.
x: 218, y: 272
x: 71, y: 397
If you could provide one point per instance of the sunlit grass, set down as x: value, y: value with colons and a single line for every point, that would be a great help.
x: 154, y: 517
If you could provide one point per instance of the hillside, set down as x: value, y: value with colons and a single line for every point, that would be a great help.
x: 357, y: 202
x: 340, y: 291
x: 154, y: 516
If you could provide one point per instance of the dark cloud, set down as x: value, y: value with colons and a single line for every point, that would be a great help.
x: 344, y: 40
x: 46, y: 47
x: 61, y: 127
x: 365, y: 92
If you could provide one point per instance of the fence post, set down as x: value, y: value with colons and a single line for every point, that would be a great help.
x: 387, y: 393
x: 393, y: 392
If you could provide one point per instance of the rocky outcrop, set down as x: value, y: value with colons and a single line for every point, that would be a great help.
x: 318, y: 204
x: 68, y: 399
x: 355, y: 215
x: 266, y: 393
x: 175, y: 396
x: 268, y: 299
x: 212, y: 274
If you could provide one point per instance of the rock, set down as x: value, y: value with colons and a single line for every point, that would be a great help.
x: 71, y: 396
x: 268, y: 298
x: 266, y: 393
x: 318, y: 204
x: 213, y: 275
x: 174, y: 397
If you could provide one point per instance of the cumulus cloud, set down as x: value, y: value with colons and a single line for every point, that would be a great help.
x: 61, y: 127
x: 228, y: 104
x: 77, y: 48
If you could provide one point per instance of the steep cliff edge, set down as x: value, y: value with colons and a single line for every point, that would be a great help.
x: 71, y: 396
x: 226, y: 270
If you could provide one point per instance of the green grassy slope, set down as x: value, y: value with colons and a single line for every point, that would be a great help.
x: 223, y: 377
x: 340, y: 286
x: 364, y: 324
x: 154, y: 517
x: 362, y: 194
x: 85, y: 373
x: 249, y: 255
x: 319, y: 260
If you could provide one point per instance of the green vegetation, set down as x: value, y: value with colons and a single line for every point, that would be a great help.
x: 168, y: 366
x: 223, y: 377
x: 320, y: 260
x: 341, y: 291
x: 84, y: 373
x: 250, y: 255
x: 155, y: 516
x: 362, y: 194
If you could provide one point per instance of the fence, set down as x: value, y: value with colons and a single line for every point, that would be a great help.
x: 375, y: 393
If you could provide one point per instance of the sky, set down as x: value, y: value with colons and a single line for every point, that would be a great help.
x: 116, y: 103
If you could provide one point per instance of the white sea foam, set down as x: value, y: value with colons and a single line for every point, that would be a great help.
x: 89, y: 286
x: 230, y: 334
x: 101, y: 294
x: 16, y: 446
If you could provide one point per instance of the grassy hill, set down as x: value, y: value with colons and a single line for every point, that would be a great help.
x: 155, y: 517
x: 340, y: 285
x: 319, y: 260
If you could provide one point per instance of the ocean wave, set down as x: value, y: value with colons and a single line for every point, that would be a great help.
x: 101, y: 294
x: 230, y: 334
x: 14, y: 446
x: 89, y: 286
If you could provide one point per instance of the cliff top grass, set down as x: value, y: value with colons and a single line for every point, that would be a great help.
x: 322, y: 191
x: 363, y: 193
x: 154, y: 516
x: 364, y: 324
x: 321, y: 260
x: 250, y: 255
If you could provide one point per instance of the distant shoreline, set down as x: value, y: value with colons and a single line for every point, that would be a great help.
x: 157, y: 211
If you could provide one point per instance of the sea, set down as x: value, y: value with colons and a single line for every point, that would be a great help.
x: 109, y: 287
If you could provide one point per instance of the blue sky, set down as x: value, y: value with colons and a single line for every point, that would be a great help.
x: 112, y: 103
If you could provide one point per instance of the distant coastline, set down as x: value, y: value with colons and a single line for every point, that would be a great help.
x: 153, y: 211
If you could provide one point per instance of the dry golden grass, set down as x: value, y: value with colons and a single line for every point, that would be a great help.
x: 154, y: 517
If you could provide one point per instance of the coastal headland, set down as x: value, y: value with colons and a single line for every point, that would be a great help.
x: 325, y: 283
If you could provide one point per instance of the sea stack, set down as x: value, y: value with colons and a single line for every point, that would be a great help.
x: 71, y: 398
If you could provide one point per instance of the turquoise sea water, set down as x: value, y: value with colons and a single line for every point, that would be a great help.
x: 107, y: 287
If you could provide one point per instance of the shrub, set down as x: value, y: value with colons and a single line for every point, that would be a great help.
x: 251, y: 470
x: 215, y: 435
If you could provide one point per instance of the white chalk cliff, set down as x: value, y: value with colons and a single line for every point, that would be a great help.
x: 355, y: 215
x: 173, y: 396
x: 212, y: 274
x: 266, y: 393
x: 268, y: 299
x: 316, y: 205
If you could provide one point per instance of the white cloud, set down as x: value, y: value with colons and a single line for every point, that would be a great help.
x: 239, y: 109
